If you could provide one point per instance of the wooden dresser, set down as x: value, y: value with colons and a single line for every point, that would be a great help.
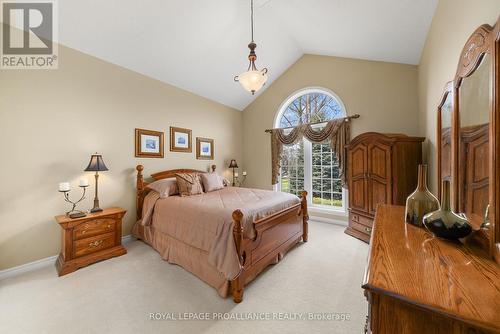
x: 382, y: 169
x: 96, y: 237
x: 416, y: 283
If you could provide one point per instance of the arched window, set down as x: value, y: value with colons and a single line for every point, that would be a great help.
x: 310, y: 166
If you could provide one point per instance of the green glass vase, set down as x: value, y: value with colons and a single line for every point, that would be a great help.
x: 445, y: 223
x: 421, y: 201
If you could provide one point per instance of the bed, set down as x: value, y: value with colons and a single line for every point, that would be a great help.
x: 225, y: 237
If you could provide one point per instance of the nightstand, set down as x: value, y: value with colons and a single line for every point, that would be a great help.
x: 90, y: 239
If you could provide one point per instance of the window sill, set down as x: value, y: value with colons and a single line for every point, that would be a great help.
x: 325, y: 215
x: 333, y: 212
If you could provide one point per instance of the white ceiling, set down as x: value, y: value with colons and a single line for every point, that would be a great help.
x: 199, y: 45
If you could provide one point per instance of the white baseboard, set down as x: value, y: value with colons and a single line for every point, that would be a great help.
x: 127, y: 238
x: 24, y: 268
x: 328, y: 220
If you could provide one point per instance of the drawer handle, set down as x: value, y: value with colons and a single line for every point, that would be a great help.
x: 109, y: 226
x: 85, y: 228
x: 95, y: 244
x: 368, y: 229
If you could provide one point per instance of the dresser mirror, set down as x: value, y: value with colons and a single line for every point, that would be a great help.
x: 475, y: 136
x: 444, y: 121
x: 473, y: 142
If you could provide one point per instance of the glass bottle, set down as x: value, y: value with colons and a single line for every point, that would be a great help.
x: 421, y: 201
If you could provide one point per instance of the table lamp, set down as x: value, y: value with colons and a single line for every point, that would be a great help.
x: 96, y: 165
x: 233, y: 165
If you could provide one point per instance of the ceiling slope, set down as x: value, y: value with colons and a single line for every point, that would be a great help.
x: 200, y: 45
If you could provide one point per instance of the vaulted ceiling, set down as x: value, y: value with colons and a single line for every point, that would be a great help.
x: 199, y: 45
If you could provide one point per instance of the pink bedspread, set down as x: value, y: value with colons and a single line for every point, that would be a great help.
x: 205, y: 221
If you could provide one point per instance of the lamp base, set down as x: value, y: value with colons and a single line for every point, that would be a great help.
x: 96, y: 207
x: 94, y: 210
x: 77, y: 215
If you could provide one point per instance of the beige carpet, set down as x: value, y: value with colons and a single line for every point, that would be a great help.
x: 118, y: 295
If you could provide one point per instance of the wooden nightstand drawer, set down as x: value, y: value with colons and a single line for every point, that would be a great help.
x: 94, y: 244
x: 93, y: 228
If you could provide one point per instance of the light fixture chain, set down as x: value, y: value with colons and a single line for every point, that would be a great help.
x: 251, y: 16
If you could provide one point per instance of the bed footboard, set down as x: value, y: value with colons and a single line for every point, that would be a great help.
x: 275, y: 235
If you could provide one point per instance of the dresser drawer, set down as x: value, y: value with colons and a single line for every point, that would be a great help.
x: 93, y: 228
x: 360, y: 227
x: 94, y: 244
x: 366, y: 221
x: 354, y: 217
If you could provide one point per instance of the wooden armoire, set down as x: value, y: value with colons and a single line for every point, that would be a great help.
x: 382, y: 169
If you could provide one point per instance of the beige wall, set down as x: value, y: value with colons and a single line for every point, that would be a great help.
x: 51, y: 122
x: 384, y: 94
x: 452, y: 25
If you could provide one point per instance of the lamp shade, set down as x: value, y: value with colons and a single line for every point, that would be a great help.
x: 253, y: 80
x: 96, y: 164
x: 233, y: 164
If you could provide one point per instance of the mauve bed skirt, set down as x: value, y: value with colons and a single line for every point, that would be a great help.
x: 188, y: 257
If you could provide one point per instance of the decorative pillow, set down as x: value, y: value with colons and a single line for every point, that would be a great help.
x: 189, y: 184
x: 211, y: 182
x: 224, y: 181
x: 165, y: 187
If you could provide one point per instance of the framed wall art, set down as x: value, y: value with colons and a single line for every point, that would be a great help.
x: 180, y: 140
x: 148, y: 144
x: 204, y: 148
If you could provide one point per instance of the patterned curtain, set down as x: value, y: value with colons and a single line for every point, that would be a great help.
x: 337, y: 131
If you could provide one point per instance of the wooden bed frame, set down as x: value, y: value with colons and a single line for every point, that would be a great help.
x: 275, y: 234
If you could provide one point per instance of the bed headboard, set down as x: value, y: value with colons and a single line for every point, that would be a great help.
x: 141, y: 184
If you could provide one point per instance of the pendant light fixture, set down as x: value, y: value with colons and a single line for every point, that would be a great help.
x: 252, y: 80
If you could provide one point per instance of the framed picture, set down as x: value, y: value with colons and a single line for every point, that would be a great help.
x: 204, y: 148
x: 180, y: 140
x: 148, y: 144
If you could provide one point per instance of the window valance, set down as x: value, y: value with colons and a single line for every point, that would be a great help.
x: 337, y: 132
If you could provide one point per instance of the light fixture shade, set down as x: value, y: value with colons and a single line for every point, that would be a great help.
x: 96, y: 164
x: 233, y: 164
x: 253, y: 80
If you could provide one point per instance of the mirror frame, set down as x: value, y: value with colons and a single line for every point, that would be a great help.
x: 448, y: 90
x: 484, y: 40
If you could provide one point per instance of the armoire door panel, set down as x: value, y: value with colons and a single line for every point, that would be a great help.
x: 379, y: 160
x: 479, y: 151
x: 359, y: 164
x: 357, y: 170
x: 479, y: 201
x: 477, y: 177
x: 358, y: 195
x: 379, y: 194
x: 379, y: 175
